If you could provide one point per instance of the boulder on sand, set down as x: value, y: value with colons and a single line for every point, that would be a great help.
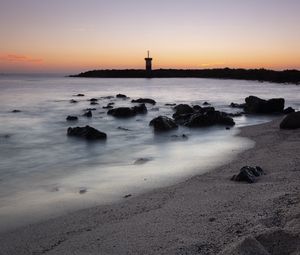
x: 163, y: 123
x: 291, y: 121
x: 248, y: 174
x: 257, y: 105
x: 87, y: 132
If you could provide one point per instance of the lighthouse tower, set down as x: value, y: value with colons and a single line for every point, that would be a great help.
x: 148, y: 63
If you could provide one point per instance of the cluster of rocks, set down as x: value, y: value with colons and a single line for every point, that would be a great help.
x: 189, y: 116
x: 248, y: 174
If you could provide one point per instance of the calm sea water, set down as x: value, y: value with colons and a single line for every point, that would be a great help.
x: 44, y: 173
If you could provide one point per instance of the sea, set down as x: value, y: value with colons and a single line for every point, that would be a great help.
x: 45, y: 174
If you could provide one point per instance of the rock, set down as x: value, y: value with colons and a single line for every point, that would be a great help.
x: 93, y: 100
x: 206, y: 103
x: 237, y: 114
x: 127, y: 196
x: 197, y: 108
x: 144, y: 101
x: 182, y: 109
x: 80, y: 95
x: 87, y: 132
x: 107, y: 97
x: 170, y: 104
x: 126, y: 112
x: 90, y: 109
x: 140, y: 109
x: 122, y: 112
x: 16, y: 111
x: 235, y: 105
x: 93, y: 103
x: 111, y: 103
x: 88, y: 114
x: 208, y: 109
x: 258, y: 105
x: 82, y: 191
x: 209, y: 118
x: 72, y: 101
x: 121, y: 96
x: 72, y: 118
x: 288, y: 110
x: 125, y: 129
x: 248, y: 174
x: 291, y: 121
x: 108, y: 107
x: 163, y: 123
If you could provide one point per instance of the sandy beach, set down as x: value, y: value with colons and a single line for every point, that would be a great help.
x: 207, y: 214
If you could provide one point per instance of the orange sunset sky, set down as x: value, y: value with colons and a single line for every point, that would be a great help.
x: 70, y: 36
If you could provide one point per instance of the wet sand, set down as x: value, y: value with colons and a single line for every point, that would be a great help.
x: 207, y: 214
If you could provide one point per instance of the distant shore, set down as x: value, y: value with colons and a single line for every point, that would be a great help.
x: 207, y: 214
x: 287, y: 76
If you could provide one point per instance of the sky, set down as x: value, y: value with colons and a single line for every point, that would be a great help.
x: 70, y: 36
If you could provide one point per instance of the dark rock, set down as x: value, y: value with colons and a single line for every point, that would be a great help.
x: 111, y: 103
x: 15, y: 111
x: 197, y: 108
x: 87, y: 132
x: 88, y: 114
x: 288, y: 110
x: 234, y: 105
x: 90, y: 109
x: 80, y: 95
x: 140, y: 109
x: 93, y: 103
x: 162, y: 123
x: 182, y: 109
x: 209, y: 118
x: 212, y: 219
x: 208, y: 109
x: 122, y: 112
x: 248, y: 174
x: 108, y: 107
x: 182, y: 119
x: 73, y: 101
x: 93, y: 99
x: 82, y: 191
x: 206, y: 103
x: 121, y: 96
x: 170, y: 104
x: 291, y: 121
x: 141, y: 161
x: 258, y: 105
x: 72, y: 118
x: 144, y: 101
x: 227, y: 128
x: 127, y: 196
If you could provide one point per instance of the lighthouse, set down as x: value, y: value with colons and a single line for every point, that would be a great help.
x: 148, y: 63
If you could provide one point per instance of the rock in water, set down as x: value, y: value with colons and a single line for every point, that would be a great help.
x: 144, y: 101
x: 291, y: 121
x: 80, y: 95
x: 88, y: 114
x: 258, y: 105
x: 87, y: 132
x: 140, y: 109
x: 73, y: 101
x: 163, y: 123
x: 121, y: 96
x: 121, y: 112
x: 182, y: 109
x: 248, y: 174
x: 72, y: 118
x: 210, y: 118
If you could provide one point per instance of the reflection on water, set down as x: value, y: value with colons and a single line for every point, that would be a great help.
x: 44, y: 173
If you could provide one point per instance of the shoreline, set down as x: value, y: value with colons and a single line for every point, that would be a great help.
x: 205, y: 214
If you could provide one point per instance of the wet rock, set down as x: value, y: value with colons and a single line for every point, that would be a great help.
x: 163, y: 123
x: 88, y: 114
x: 144, y: 101
x: 248, y: 174
x: 94, y: 103
x: 127, y: 196
x: 93, y: 100
x: 288, y: 110
x: 72, y: 101
x: 209, y: 118
x: 235, y: 105
x: 182, y: 109
x: 208, y: 109
x: 80, y: 95
x: 16, y: 111
x: 121, y: 96
x: 90, y: 109
x: 170, y: 104
x: 82, y: 191
x: 257, y: 105
x: 206, y: 103
x: 140, y: 109
x: 72, y: 118
x: 197, y: 108
x: 111, y: 103
x: 180, y: 137
x: 122, y: 112
x: 291, y: 121
x: 87, y: 132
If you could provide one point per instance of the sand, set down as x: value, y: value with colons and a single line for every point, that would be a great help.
x: 207, y: 214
